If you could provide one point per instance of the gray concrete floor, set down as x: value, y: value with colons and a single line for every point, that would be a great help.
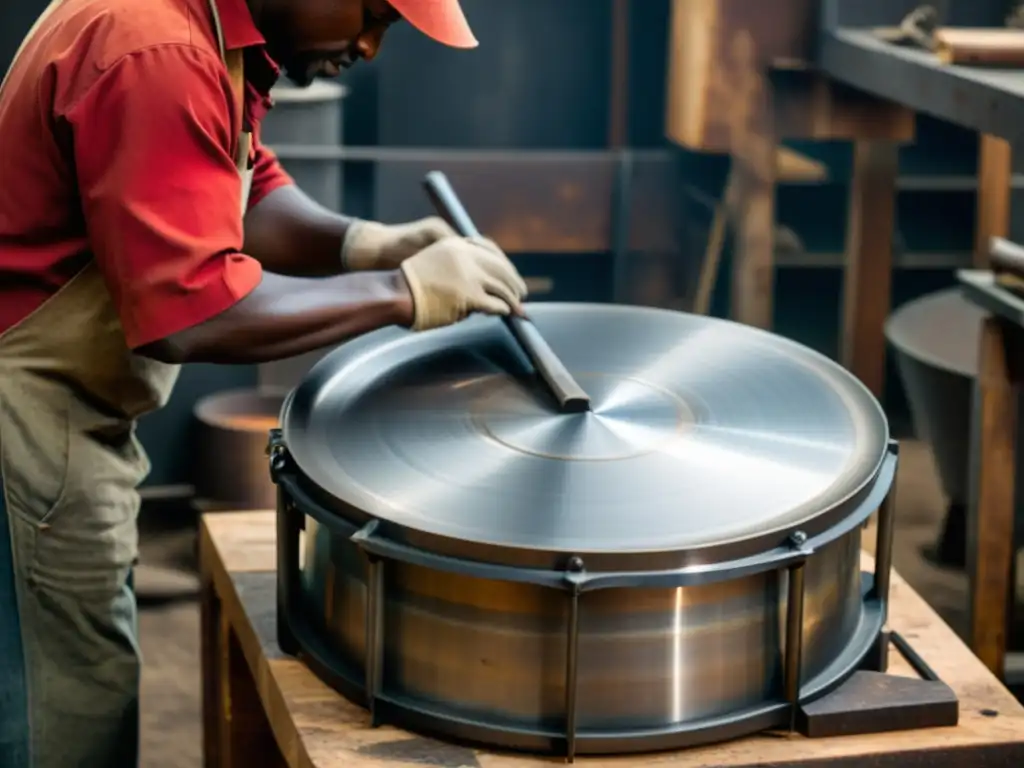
x: 171, y: 732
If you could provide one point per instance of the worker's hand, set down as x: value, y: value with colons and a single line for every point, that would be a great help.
x: 456, y: 276
x: 371, y: 245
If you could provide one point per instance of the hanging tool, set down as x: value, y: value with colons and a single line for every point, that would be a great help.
x: 979, y: 46
x: 567, y: 393
x: 916, y: 30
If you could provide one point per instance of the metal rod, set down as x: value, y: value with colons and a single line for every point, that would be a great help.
x: 794, y: 640
x: 1006, y: 256
x: 567, y: 393
x: 618, y: 101
x: 623, y: 199
x: 287, y: 572
x: 883, y: 546
x: 374, y: 653
x: 913, y: 658
x: 348, y: 153
x: 571, y: 672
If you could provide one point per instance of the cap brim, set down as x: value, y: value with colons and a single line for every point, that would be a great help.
x: 441, y: 20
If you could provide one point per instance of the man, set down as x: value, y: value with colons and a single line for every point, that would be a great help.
x: 130, y: 148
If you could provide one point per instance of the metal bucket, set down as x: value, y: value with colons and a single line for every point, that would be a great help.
x: 230, y: 469
x: 936, y: 342
x: 308, y: 117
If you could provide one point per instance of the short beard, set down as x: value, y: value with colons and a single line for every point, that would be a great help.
x: 302, y: 70
x: 301, y: 76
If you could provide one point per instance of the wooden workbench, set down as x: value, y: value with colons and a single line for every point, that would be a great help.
x: 264, y: 709
x: 991, y: 519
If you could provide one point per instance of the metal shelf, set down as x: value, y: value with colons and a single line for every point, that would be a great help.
x: 986, y: 100
x: 923, y: 182
x: 903, y: 260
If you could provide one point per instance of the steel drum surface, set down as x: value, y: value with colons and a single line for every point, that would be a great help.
x: 703, y: 432
x: 495, y: 650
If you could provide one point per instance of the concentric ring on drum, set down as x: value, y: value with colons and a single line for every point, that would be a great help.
x: 627, y: 419
x: 715, y: 434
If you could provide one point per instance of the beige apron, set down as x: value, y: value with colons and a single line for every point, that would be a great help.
x: 70, y: 392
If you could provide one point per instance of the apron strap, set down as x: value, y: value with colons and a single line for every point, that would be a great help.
x: 236, y: 71
x: 234, y: 60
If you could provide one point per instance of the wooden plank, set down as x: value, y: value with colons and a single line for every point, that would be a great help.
x: 753, y: 217
x: 755, y: 154
x: 810, y: 106
x: 691, y: 53
x: 979, y: 46
x: 995, y: 173
x: 990, y: 549
x: 236, y: 733
x: 867, y: 281
x: 795, y: 167
x: 246, y: 739
x: 316, y: 728
x: 210, y: 659
x: 243, y: 541
x: 707, y: 36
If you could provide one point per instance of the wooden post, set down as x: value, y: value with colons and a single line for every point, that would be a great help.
x: 990, y: 549
x: 990, y: 525
x: 209, y: 653
x: 995, y: 174
x: 753, y: 272
x: 754, y: 151
x: 867, y: 281
x: 236, y: 731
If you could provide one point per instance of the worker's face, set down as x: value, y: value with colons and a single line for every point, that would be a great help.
x: 319, y: 38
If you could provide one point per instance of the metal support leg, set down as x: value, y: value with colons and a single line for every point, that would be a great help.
x: 575, y: 578
x: 289, y: 523
x: 794, y: 640
x: 883, y: 547
x: 374, y: 635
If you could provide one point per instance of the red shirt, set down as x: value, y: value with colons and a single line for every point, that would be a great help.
x: 118, y: 134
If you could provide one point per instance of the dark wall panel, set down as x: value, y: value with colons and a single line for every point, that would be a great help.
x: 16, y: 16
x: 538, y: 80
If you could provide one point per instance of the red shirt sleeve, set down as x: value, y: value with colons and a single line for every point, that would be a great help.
x: 267, y: 174
x: 154, y: 141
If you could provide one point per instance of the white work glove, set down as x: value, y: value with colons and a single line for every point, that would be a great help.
x: 456, y: 276
x: 370, y: 245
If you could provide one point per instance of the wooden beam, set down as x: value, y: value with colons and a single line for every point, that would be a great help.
x: 794, y: 167
x: 993, y: 462
x: 995, y: 159
x: 867, y: 280
x: 702, y: 47
x: 754, y: 173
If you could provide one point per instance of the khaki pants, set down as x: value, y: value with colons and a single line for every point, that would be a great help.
x: 69, y: 655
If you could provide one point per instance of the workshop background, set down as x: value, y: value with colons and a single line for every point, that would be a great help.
x: 562, y: 99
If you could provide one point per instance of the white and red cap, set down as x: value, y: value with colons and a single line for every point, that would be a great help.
x: 442, y: 20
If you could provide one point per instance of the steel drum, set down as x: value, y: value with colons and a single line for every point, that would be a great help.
x: 681, y: 565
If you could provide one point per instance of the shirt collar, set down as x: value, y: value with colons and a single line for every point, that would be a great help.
x: 240, y: 31
x: 238, y: 25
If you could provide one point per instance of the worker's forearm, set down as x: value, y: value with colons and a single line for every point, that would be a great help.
x: 291, y: 234
x: 287, y: 316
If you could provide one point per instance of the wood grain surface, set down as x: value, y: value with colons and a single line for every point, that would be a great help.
x: 992, y: 47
